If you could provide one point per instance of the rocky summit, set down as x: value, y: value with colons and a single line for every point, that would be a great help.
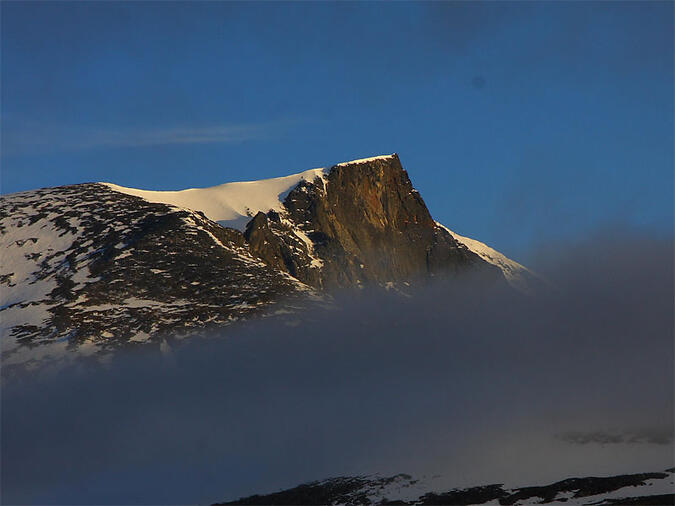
x: 360, y: 223
x: 96, y: 266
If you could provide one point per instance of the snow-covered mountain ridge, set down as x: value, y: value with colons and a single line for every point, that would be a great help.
x: 230, y: 204
x: 402, y: 489
x: 96, y: 266
x: 233, y: 204
x: 88, y: 268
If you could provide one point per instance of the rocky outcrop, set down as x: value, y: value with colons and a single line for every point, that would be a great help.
x: 279, y: 245
x: 366, y: 224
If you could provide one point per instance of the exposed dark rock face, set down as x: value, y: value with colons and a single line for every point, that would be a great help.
x: 632, y: 489
x: 366, y: 224
x: 276, y: 243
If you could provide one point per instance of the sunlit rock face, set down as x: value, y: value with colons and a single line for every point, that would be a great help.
x: 362, y: 223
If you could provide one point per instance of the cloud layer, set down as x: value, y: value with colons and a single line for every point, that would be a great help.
x: 475, y: 385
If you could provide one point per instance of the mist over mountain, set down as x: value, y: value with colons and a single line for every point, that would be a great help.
x: 463, y: 380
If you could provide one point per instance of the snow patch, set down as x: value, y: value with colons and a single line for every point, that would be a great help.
x: 230, y: 204
x: 518, y: 276
x: 234, y: 204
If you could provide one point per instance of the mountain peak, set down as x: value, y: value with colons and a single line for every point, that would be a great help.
x: 233, y: 204
x: 100, y: 265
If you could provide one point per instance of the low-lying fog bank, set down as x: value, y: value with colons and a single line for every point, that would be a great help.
x: 479, y: 387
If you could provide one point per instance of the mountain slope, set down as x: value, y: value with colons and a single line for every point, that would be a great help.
x: 84, y: 266
x: 518, y: 276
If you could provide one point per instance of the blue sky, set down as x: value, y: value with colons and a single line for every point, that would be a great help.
x: 519, y: 122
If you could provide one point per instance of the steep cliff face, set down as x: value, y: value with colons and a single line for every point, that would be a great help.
x: 365, y: 224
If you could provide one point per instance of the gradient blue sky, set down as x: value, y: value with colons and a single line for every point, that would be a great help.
x: 518, y: 122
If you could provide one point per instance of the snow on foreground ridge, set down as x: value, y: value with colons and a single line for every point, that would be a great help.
x: 233, y: 204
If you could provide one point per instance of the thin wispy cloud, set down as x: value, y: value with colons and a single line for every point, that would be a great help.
x: 650, y: 435
x: 27, y: 137
x: 162, y: 136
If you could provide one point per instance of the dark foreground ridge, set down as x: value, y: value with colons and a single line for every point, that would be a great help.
x: 403, y: 490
